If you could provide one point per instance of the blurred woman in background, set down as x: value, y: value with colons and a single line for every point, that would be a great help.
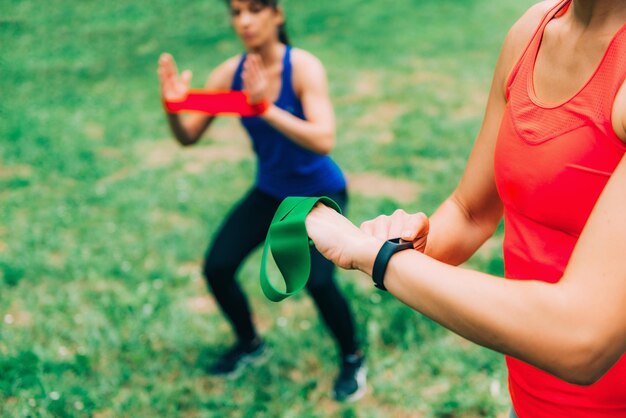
x: 291, y: 138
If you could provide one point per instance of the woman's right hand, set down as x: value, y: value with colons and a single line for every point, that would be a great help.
x: 173, y: 86
x: 411, y: 227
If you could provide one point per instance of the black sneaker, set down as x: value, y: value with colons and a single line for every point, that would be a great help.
x: 350, y: 384
x: 233, y: 361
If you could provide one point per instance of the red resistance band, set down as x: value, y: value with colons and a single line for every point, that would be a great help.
x: 216, y: 103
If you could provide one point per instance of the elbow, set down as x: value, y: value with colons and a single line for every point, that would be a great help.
x: 326, y: 143
x: 186, y: 141
x: 587, y: 362
x: 582, y: 374
x: 589, y: 343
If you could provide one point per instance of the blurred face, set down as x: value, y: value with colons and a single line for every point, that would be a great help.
x: 255, y: 23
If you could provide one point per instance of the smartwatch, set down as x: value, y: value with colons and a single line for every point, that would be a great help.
x: 389, y: 248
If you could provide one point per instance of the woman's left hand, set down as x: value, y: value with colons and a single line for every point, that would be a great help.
x: 340, y: 241
x: 254, y: 79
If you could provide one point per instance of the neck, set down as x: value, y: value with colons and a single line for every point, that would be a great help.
x: 271, y: 52
x: 598, y: 13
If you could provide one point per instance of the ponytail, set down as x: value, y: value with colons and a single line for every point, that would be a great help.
x: 282, y: 34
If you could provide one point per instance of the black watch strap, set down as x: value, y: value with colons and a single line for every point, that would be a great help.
x: 389, y: 248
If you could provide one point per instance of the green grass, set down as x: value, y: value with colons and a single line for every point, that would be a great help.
x: 103, y: 220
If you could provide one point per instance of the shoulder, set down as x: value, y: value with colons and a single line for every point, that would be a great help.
x: 308, y: 70
x: 302, y: 58
x: 522, y: 31
x: 518, y: 38
x: 221, y: 77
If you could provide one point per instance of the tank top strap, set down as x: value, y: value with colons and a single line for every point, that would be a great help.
x: 287, y: 94
x: 237, y: 83
x: 591, y: 105
x: 609, y: 75
x: 530, y: 52
x: 287, y: 64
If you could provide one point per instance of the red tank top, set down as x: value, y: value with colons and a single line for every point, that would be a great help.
x: 551, y: 164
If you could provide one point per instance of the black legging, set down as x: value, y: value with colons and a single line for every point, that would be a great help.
x: 243, y: 230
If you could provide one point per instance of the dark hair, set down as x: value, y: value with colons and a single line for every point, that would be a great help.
x: 282, y: 29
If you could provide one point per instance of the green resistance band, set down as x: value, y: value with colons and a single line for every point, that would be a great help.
x: 289, y: 244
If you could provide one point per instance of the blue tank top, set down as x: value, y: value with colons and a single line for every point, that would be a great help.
x: 285, y: 168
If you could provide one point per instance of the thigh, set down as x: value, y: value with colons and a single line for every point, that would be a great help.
x: 244, y: 228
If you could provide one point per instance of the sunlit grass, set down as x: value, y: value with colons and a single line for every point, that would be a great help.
x: 104, y: 221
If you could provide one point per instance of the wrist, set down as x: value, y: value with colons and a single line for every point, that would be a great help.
x: 260, y: 107
x: 170, y: 106
x: 388, y: 249
x: 366, y: 252
x: 166, y: 106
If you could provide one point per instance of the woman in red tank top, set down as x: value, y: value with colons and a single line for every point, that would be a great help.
x: 550, y: 159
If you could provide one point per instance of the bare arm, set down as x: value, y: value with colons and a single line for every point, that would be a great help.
x: 188, y: 130
x: 575, y: 329
x: 471, y: 214
x: 317, y: 132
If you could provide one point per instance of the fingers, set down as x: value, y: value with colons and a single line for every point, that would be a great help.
x: 380, y: 227
x: 246, y: 78
x: 415, y: 227
x: 399, y: 222
x: 409, y: 227
x: 254, y: 80
x: 253, y: 64
x: 256, y: 66
x: 250, y: 73
x: 246, y: 74
x: 166, y: 71
x: 186, y: 79
x: 164, y: 58
x: 385, y: 227
x: 173, y: 86
x: 167, y: 66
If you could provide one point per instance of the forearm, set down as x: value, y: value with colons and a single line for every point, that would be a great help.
x: 546, y: 325
x: 316, y: 137
x: 454, y: 235
x: 573, y: 329
x: 189, y: 131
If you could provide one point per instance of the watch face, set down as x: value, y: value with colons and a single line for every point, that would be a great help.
x: 400, y: 245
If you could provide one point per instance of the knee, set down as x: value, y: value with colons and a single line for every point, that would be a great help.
x: 218, y: 273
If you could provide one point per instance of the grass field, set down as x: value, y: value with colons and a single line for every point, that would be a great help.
x: 104, y: 220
